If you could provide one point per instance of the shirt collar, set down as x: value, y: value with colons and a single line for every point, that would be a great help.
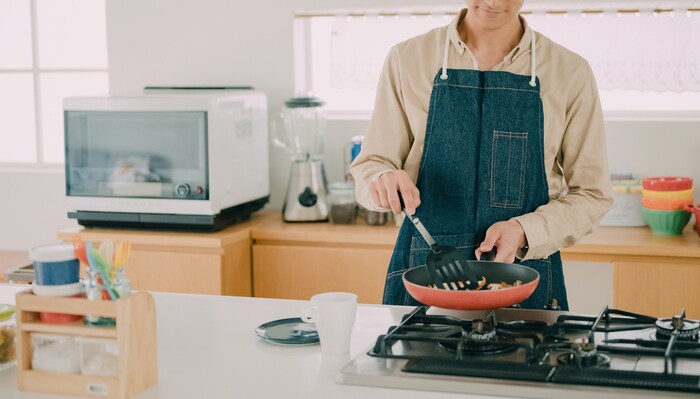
x: 522, y: 47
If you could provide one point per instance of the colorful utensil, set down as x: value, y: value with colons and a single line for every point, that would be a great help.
x: 99, y: 265
x: 79, y: 248
x: 107, y: 252
x: 122, y: 251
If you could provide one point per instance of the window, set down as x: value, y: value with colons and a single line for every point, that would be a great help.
x: 50, y: 49
x: 644, y: 59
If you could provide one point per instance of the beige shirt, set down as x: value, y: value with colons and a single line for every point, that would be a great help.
x: 574, y: 137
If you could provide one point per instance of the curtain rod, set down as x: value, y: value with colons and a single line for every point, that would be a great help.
x: 425, y: 14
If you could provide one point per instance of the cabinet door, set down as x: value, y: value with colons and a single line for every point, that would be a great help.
x: 298, y: 272
x: 169, y: 271
x: 657, y: 289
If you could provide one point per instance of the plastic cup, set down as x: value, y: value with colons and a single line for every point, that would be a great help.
x: 55, y: 264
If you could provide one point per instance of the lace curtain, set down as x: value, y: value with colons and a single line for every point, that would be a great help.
x: 645, y: 50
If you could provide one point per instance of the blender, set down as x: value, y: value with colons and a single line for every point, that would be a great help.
x: 305, y: 125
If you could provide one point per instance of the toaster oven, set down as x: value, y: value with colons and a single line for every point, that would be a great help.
x: 195, y: 159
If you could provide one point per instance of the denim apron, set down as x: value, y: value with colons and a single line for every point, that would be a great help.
x: 482, y: 163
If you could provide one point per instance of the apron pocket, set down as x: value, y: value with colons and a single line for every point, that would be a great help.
x: 420, y: 249
x: 508, y: 161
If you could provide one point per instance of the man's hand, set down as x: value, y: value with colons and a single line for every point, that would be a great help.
x: 507, y: 236
x: 385, y: 188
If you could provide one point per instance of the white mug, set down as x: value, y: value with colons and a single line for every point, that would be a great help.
x: 334, y: 315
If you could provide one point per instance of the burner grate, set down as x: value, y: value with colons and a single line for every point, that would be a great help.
x: 576, y: 350
x: 493, y: 369
x: 628, y: 379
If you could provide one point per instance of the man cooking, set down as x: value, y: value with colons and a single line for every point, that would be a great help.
x: 493, y: 134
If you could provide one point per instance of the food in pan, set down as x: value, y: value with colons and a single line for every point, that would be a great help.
x: 483, y: 283
x: 503, y: 284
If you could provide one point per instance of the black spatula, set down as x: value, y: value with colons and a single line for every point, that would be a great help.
x: 447, y: 266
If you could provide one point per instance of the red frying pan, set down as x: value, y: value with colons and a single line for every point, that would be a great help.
x: 417, y: 279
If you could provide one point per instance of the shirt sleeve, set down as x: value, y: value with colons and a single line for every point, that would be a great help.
x: 563, y: 221
x: 388, y: 138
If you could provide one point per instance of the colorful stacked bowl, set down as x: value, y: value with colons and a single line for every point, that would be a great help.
x: 664, y: 204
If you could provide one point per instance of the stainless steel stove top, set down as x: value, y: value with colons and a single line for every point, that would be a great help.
x: 534, y: 353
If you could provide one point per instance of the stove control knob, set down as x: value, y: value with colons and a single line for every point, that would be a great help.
x: 308, y: 198
x: 182, y: 190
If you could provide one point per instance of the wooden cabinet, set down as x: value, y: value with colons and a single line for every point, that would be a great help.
x: 296, y: 261
x: 216, y: 263
x: 651, y: 274
x: 658, y: 289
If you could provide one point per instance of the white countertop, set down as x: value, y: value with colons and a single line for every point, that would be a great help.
x: 207, y: 347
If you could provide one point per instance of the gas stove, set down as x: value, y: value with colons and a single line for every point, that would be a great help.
x: 535, y: 354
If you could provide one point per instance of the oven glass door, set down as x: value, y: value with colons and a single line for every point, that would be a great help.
x: 137, y: 154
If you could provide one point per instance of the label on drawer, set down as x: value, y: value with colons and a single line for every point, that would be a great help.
x: 97, y: 388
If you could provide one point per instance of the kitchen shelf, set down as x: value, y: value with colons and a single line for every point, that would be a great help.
x: 135, y: 335
x: 72, y: 328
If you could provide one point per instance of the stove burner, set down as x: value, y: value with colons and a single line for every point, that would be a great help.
x: 480, y: 331
x: 488, y: 341
x: 542, y: 348
x: 584, y: 355
x: 687, y: 329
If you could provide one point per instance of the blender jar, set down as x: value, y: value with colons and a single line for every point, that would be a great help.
x: 305, y: 125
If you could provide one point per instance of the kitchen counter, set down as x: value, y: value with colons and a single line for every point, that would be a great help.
x: 293, y: 260
x: 214, y: 263
x: 605, y: 244
x: 207, y: 347
x: 266, y: 257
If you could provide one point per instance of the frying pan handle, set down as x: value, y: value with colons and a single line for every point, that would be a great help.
x: 419, y: 225
x: 490, y: 256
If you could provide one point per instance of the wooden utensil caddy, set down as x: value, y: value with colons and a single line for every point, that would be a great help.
x: 135, y: 334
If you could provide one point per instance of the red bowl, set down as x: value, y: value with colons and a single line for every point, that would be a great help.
x: 667, y: 183
x: 58, y: 318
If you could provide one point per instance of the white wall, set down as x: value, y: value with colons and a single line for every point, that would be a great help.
x: 32, y: 207
x: 235, y: 42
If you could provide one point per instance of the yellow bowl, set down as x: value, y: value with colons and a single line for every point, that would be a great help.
x: 677, y: 195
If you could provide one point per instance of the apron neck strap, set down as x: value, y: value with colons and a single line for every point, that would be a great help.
x: 445, y: 56
x: 533, y: 58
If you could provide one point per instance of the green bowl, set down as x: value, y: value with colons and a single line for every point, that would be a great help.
x: 666, y: 223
